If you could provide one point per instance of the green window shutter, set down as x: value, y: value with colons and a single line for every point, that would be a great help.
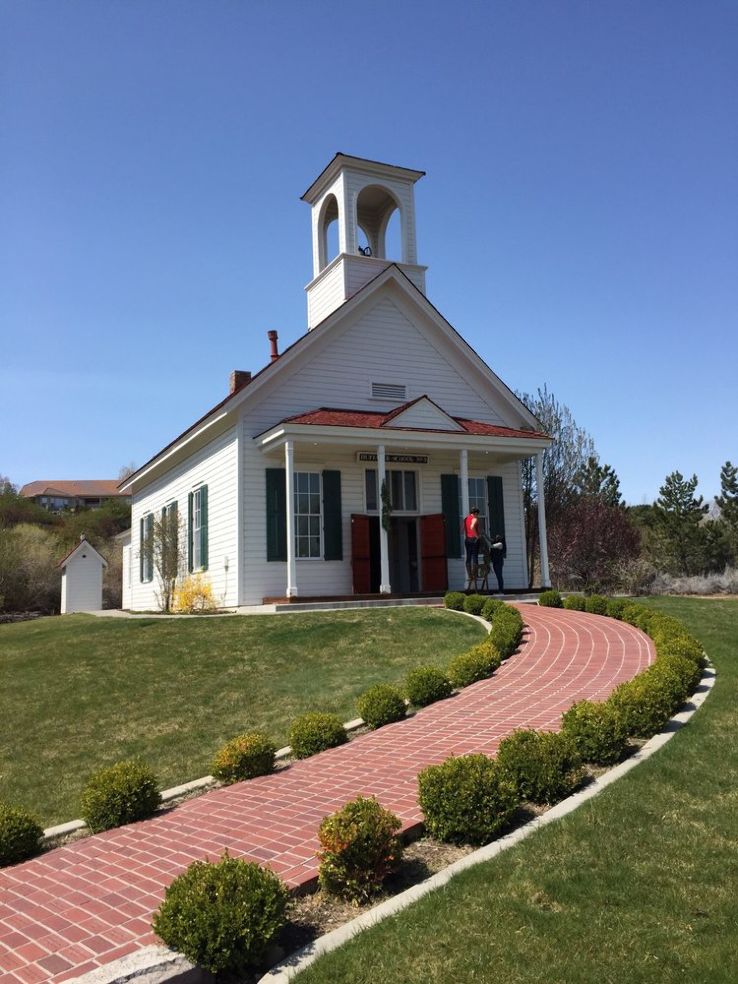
x: 332, y: 516
x: 450, y: 509
x: 141, y: 550
x: 204, y: 527
x: 496, y: 505
x: 276, y: 515
x: 190, y: 512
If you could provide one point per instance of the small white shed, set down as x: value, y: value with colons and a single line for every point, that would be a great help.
x: 82, y: 579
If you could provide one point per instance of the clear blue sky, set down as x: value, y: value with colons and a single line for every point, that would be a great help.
x: 579, y: 216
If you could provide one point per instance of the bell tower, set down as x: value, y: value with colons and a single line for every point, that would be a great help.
x: 361, y: 197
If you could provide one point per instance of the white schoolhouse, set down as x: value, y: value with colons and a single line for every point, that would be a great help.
x: 345, y: 465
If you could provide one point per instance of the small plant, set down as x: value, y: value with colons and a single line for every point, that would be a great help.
x: 454, y: 600
x: 381, y: 704
x: 596, y: 604
x: 507, y: 630
x: 575, y: 603
x: 221, y: 915
x: 244, y: 757
x: 545, y: 766
x: 123, y: 793
x: 476, y: 664
x: 426, y: 684
x: 359, y: 849
x: 474, y: 603
x: 466, y: 799
x: 193, y: 595
x: 20, y: 835
x: 615, y: 607
x: 597, y: 731
x: 314, y: 732
x: 491, y: 607
x: 550, y: 599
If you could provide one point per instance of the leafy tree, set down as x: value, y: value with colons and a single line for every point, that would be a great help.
x: 15, y: 508
x: 562, y: 462
x: 727, y: 502
x: 98, y: 525
x: 678, y: 516
x: 601, y: 481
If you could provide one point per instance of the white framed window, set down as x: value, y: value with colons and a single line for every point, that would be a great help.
x: 308, y: 516
x: 146, y: 547
x: 478, y: 498
x: 197, y: 524
x: 403, y: 490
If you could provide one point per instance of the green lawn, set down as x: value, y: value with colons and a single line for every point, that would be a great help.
x: 639, y: 885
x: 80, y: 692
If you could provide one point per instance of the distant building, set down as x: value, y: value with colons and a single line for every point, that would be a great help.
x: 56, y: 496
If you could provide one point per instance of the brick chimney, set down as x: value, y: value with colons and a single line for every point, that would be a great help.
x: 237, y: 380
x: 273, y: 336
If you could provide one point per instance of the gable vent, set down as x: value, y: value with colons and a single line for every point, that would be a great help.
x: 389, y: 391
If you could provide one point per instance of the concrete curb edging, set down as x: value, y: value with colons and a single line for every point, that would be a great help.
x: 287, y: 969
x: 72, y: 826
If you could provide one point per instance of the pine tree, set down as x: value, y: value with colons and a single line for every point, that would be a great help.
x: 678, y: 516
x: 600, y: 481
x: 728, y: 504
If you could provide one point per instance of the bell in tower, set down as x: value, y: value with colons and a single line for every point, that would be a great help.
x: 360, y: 196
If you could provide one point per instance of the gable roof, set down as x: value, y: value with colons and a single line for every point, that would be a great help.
x: 391, y: 272
x: 76, y: 487
x: 83, y: 544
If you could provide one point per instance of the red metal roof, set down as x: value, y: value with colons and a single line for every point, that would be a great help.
x: 375, y: 419
x: 92, y: 488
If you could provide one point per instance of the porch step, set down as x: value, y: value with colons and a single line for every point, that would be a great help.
x: 318, y: 606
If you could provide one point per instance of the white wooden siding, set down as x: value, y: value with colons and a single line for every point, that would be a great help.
x: 327, y: 293
x: 215, y: 465
x: 82, y: 579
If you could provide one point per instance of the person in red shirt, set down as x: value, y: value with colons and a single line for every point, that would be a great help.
x: 471, y: 542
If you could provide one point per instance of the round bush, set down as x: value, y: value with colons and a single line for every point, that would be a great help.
x: 454, y: 600
x: 550, y: 599
x: 427, y: 684
x: 507, y: 630
x: 20, y: 835
x: 490, y: 608
x: 123, y: 793
x: 544, y: 766
x: 474, y: 603
x: 359, y: 848
x: 683, y: 645
x: 596, y: 605
x: 631, y: 613
x: 575, y: 603
x: 221, y: 915
x: 644, y: 704
x: 381, y: 704
x: 466, y: 799
x: 615, y: 607
x: 314, y: 732
x: 476, y: 664
x: 678, y: 672
x: 244, y: 757
x: 597, y: 730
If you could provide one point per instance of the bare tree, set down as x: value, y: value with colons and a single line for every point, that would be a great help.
x: 165, y: 546
x: 125, y: 470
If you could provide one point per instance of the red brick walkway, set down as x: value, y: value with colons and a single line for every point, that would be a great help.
x: 85, y: 905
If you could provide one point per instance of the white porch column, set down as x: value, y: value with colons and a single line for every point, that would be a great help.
x: 289, y: 464
x: 384, y: 586
x: 542, y: 541
x: 464, y: 479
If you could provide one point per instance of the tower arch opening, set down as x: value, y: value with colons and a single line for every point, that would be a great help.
x: 328, y: 231
x: 375, y: 208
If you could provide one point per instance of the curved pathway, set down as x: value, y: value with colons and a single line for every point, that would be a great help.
x: 84, y: 905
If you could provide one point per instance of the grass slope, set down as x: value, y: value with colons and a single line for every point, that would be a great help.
x: 81, y: 692
x: 640, y: 885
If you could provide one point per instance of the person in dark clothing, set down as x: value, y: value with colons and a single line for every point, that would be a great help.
x: 498, y: 553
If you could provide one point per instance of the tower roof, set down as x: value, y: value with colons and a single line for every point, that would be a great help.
x: 340, y: 161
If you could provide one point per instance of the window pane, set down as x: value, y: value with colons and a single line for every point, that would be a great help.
x: 396, y: 497
x: 371, y: 490
x: 315, y: 546
x: 301, y: 547
x: 315, y: 503
x: 303, y: 525
x: 314, y: 482
x: 410, y: 497
x: 315, y: 526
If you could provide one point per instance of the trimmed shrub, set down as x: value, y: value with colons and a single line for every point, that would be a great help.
x: 615, y: 607
x: 466, y: 799
x: 454, y: 600
x: 544, y: 766
x: 244, y: 757
x: 597, y: 730
x: 314, y: 732
x: 426, y: 684
x: 123, y: 793
x: 631, y: 613
x: 644, y: 704
x: 684, y: 645
x: 596, y: 605
x: 476, y: 664
x: 474, y: 603
x: 359, y: 849
x: 381, y: 704
x: 680, y: 673
x: 491, y: 607
x: 507, y: 630
x: 550, y: 599
x: 221, y: 915
x: 575, y: 603
x: 20, y: 835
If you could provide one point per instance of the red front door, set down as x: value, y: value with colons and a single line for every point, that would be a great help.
x: 361, y: 554
x: 433, y: 553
